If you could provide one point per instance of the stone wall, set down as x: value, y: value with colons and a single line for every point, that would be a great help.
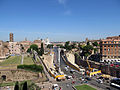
x: 18, y: 75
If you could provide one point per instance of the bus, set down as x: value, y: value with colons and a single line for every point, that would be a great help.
x: 115, y: 82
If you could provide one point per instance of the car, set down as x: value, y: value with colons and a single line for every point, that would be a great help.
x: 67, y: 66
x: 72, y: 71
x: 68, y: 77
x: 55, y: 87
x: 66, y: 69
x: 82, y: 79
x: 87, y: 78
x: 100, y: 81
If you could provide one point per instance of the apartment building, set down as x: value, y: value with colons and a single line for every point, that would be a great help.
x: 14, y: 48
x: 110, y: 49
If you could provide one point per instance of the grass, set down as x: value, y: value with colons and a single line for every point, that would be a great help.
x: 7, y: 84
x: 84, y: 87
x: 13, y: 61
x: 28, y: 60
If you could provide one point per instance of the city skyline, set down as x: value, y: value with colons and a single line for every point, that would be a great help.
x: 60, y: 20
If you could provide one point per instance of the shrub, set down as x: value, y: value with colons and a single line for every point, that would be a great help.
x: 34, y: 67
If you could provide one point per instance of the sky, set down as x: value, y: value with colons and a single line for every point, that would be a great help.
x: 59, y: 20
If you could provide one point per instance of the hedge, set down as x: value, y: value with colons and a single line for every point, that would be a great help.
x: 34, y: 67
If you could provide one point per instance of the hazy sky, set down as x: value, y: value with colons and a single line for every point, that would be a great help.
x: 60, y: 20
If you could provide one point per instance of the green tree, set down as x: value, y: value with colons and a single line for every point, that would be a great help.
x: 50, y: 46
x: 73, y: 45
x: 41, y: 52
x: 95, y: 44
x: 34, y: 47
x: 67, y: 46
x: 59, y: 45
x: 29, y: 50
x: 16, y: 86
x: 25, y: 86
x: 87, y: 50
x: 88, y: 43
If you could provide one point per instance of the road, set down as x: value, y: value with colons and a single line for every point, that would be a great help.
x: 67, y: 84
x: 78, y: 82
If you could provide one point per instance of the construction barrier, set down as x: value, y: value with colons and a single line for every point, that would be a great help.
x: 70, y: 64
x: 96, y: 72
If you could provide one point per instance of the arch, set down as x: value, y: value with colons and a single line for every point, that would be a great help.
x: 3, y: 77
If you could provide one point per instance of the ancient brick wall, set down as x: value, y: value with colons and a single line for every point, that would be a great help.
x: 18, y: 75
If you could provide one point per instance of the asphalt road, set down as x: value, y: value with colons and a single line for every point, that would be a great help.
x: 78, y: 82
x: 67, y: 84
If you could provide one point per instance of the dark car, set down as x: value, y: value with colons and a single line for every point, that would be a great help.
x: 87, y: 78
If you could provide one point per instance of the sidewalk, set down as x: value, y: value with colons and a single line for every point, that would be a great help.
x: 45, y: 85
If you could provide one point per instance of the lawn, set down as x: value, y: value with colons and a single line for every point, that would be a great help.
x: 84, y: 87
x: 13, y: 61
x: 28, y: 60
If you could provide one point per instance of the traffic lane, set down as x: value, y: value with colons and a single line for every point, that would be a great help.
x: 101, y: 85
x: 55, y: 49
x: 76, y: 74
x: 93, y: 82
x: 66, y: 86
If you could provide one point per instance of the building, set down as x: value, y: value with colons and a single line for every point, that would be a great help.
x: 38, y: 42
x: 47, y: 41
x: 11, y: 37
x: 110, y: 49
x: 4, y: 51
x: 25, y: 44
x: 14, y: 48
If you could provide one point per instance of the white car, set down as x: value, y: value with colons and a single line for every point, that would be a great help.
x: 66, y: 69
x: 55, y: 87
x: 100, y: 81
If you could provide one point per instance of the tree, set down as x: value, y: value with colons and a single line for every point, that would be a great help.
x: 25, y: 86
x: 87, y: 50
x: 95, y: 44
x: 59, y: 45
x: 16, y: 86
x: 29, y: 50
x: 50, y: 46
x: 34, y: 47
x: 41, y: 52
x: 73, y: 45
x: 67, y: 46
x: 88, y: 43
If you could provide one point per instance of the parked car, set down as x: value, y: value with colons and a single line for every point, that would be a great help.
x: 87, y: 78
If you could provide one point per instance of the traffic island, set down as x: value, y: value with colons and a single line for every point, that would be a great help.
x: 84, y: 87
